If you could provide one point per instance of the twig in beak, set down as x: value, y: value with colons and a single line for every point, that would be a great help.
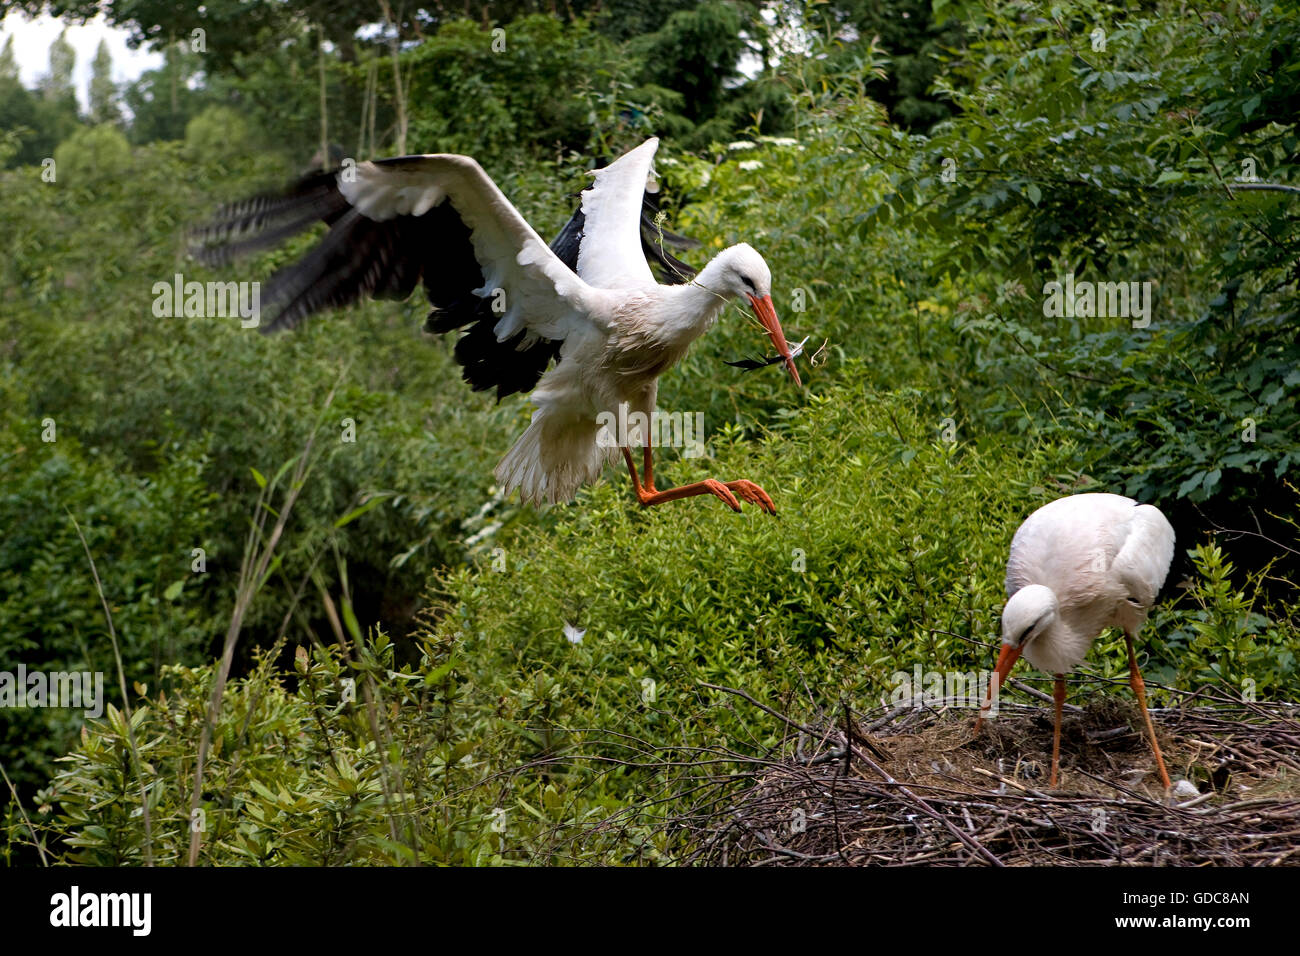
x: 749, y: 365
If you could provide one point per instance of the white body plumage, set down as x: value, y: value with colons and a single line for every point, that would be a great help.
x: 1077, y: 566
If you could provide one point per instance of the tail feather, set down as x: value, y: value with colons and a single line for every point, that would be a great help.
x: 552, y: 459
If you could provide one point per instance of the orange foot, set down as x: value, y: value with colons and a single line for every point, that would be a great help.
x: 727, y: 492
x: 753, y: 494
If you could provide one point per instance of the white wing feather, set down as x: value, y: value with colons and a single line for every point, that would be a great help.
x: 611, y: 256
x: 1144, y: 558
x: 1081, y: 546
x: 541, y: 294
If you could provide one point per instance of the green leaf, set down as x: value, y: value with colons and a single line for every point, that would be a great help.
x: 436, y: 675
x: 283, y: 468
x: 350, y: 620
x: 1186, y: 487
x: 174, y: 590
x: 258, y: 477
x: 356, y: 513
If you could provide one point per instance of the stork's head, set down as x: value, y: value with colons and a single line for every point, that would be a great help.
x: 740, y: 271
x: 1029, y: 613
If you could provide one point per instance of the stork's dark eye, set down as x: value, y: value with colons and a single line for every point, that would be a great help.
x: 1025, y: 634
x: 748, y: 282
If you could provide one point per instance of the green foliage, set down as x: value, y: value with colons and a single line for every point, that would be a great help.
x: 35, y: 123
x: 92, y: 155
x: 862, y: 549
x: 1086, y: 155
x: 1229, y: 640
x: 887, y: 554
x: 158, y: 422
x: 18, y: 119
x: 139, y: 530
x: 57, y: 83
x: 103, y: 91
x: 215, y: 134
x: 696, y: 52
x: 916, y: 42
x: 164, y: 100
x: 481, y: 99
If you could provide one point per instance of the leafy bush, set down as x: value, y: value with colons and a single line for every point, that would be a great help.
x: 161, y: 421
x: 504, y: 96
x: 858, y: 574
x: 887, y: 555
x: 1156, y: 149
x: 91, y: 155
x: 216, y: 133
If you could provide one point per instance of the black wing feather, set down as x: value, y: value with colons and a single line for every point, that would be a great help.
x: 360, y: 257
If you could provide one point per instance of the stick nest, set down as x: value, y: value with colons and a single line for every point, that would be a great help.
x: 907, y: 787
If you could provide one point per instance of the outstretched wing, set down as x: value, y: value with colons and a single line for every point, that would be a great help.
x: 655, y: 242
x: 441, y: 220
x: 390, y: 227
x: 611, y: 256
x: 395, y: 222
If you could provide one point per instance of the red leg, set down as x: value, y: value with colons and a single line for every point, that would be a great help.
x: 1140, y: 689
x: 648, y: 495
x: 1059, y: 697
x: 708, y: 486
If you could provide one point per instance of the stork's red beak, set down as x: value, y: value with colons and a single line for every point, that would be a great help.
x: 1007, y: 658
x: 766, y: 313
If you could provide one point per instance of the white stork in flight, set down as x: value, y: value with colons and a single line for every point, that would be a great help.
x: 588, y: 302
x: 1078, y: 565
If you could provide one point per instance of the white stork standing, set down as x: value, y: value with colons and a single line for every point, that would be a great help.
x: 589, y: 302
x: 1078, y: 565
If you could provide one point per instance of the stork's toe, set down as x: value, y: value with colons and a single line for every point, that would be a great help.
x: 753, y: 494
x: 723, y: 492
